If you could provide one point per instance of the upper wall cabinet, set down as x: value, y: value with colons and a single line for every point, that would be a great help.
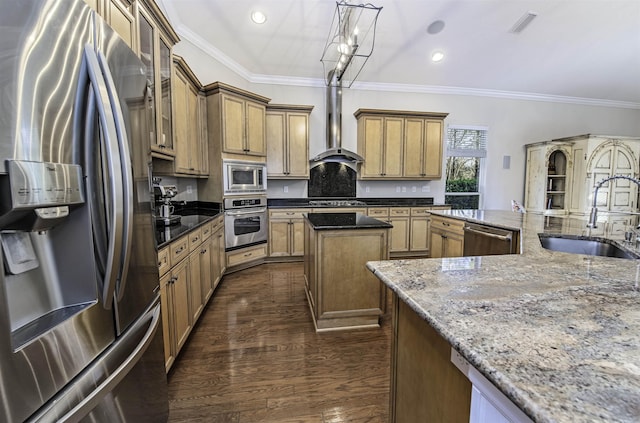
x: 237, y: 120
x: 288, y: 141
x: 118, y: 14
x: 191, y: 146
x: 156, y: 38
x: 400, y: 144
x: 189, y: 124
x: 561, y: 174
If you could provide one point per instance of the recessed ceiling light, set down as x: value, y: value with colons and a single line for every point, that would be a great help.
x: 258, y: 17
x: 437, y: 56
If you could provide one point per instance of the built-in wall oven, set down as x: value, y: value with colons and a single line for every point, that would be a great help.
x: 244, y: 177
x: 245, y: 221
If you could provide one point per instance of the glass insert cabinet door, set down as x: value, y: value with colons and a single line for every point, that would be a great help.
x: 155, y: 53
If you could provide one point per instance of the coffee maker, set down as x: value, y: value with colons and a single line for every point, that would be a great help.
x: 164, y: 209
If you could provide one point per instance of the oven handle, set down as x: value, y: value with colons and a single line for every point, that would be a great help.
x: 242, y: 213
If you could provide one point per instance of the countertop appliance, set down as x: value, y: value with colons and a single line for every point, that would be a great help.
x: 482, y: 240
x: 79, y: 294
x: 245, y: 221
x: 244, y: 177
x: 164, y: 209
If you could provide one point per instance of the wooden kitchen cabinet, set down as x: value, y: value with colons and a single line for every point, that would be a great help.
x: 447, y: 237
x: 561, y: 174
x: 400, y: 144
x: 246, y: 256
x: 237, y: 120
x: 232, y: 116
x: 425, y: 385
x: 218, y: 254
x: 399, y: 217
x: 190, y: 146
x: 190, y: 268
x: 423, y: 148
x: 341, y: 293
x: 287, y: 141
x: 155, y: 40
x: 286, y: 232
x: 419, y: 230
x: 380, y: 142
x: 174, y: 305
x: 196, y: 304
x: 411, y: 234
x: 118, y: 14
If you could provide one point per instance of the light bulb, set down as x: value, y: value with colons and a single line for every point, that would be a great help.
x: 258, y: 17
x: 437, y: 56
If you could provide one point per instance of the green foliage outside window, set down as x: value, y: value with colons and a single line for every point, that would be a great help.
x: 465, y: 148
x: 463, y: 202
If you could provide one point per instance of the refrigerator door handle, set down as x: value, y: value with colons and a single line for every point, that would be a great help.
x: 127, y: 174
x: 107, y: 121
x: 67, y: 397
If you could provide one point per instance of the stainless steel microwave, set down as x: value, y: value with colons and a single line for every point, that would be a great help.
x: 240, y: 177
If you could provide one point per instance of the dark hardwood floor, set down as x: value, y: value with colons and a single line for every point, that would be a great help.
x: 255, y: 357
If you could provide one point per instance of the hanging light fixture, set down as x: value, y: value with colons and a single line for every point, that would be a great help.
x: 350, y: 42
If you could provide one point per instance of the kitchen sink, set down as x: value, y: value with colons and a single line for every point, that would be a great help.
x: 585, y: 245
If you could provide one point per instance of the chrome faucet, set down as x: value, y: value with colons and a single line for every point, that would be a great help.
x: 593, y: 217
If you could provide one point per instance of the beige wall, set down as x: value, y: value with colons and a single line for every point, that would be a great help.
x: 511, y: 123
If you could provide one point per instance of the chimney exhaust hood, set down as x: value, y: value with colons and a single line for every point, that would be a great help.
x: 335, y: 152
x: 349, y: 45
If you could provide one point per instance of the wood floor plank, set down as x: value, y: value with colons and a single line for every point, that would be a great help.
x: 254, y: 356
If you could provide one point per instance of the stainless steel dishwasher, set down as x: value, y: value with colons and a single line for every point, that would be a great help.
x: 481, y: 240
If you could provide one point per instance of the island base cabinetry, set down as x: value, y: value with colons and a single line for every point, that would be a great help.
x: 425, y: 385
x: 341, y: 292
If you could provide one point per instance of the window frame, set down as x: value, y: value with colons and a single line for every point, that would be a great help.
x: 481, y: 154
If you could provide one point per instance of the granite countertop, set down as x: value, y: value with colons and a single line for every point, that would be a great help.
x: 191, y: 216
x: 340, y: 221
x: 557, y: 333
x: 355, y: 202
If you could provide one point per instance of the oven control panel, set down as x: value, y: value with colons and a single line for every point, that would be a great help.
x: 244, y: 202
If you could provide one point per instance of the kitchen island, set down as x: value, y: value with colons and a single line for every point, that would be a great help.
x: 557, y: 333
x: 341, y: 293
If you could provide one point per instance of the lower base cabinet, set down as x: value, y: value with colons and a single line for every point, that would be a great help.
x: 244, y: 257
x: 341, y: 292
x: 191, y: 267
x: 425, y: 385
x: 174, y: 305
x: 447, y: 237
x: 286, y: 233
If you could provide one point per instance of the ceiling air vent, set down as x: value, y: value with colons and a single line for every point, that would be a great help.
x: 523, y: 22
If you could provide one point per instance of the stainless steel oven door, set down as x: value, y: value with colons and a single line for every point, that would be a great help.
x: 245, y: 227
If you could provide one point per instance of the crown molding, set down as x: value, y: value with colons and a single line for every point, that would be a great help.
x: 187, y: 34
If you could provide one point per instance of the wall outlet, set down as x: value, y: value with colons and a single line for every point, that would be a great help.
x: 189, y: 189
x: 426, y: 188
x: 285, y: 188
x: 404, y: 189
x: 414, y: 189
x: 397, y: 189
x: 366, y: 189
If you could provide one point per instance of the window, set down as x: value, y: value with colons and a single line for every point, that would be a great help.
x: 466, y: 147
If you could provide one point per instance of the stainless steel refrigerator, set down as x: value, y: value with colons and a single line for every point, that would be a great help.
x: 79, y: 294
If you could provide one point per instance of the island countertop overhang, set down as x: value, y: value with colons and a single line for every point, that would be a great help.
x: 556, y: 332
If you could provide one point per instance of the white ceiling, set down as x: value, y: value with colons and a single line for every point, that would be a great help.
x: 574, y: 50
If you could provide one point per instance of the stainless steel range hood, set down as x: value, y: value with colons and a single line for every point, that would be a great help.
x: 335, y: 152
